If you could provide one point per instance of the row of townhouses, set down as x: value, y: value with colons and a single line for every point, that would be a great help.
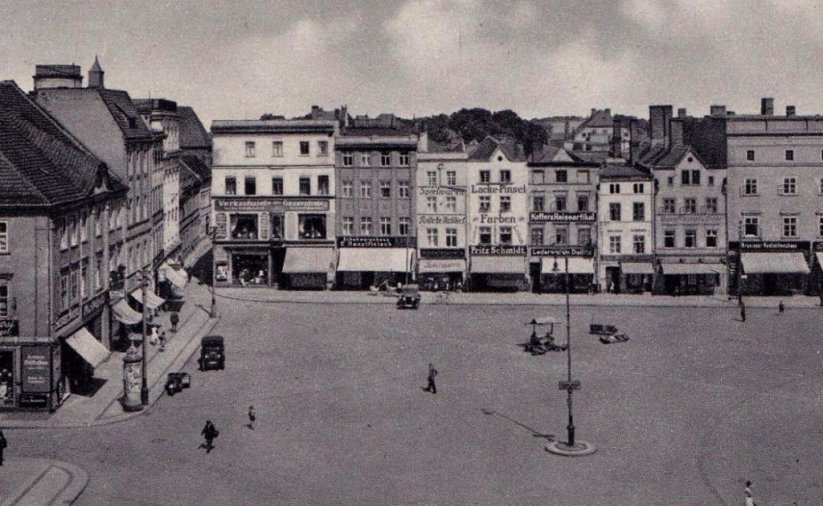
x: 718, y: 204
x: 100, y: 194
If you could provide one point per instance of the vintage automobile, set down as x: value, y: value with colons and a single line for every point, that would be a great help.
x: 177, y: 381
x: 614, y: 338
x: 409, y: 297
x: 212, y: 353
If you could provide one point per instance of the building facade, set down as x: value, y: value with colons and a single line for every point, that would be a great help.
x: 775, y: 169
x: 625, y: 261
x: 375, y: 181
x: 562, y: 221
x: 442, y: 227
x: 498, y: 213
x: 61, y: 223
x: 273, y: 184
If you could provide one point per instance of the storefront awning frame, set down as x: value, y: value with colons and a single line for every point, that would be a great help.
x: 440, y: 265
x: 782, y: 262
x: 637, y: 268
x: 178, y: 278
x: 153, y: 301
x: 125, y: 314
x: 307, y: 260
x: 498, y: 265
x: 376, y: 260
x: 676, y: 269
x: 88, y: 347
x: 577, y: 265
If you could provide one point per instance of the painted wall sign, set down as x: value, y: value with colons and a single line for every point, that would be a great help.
x: 565, y: 251
x: 35, y: 368
x: 93, y: 305
x: 249, y: 204
x: 306, y: 205
x: 431, y: 191
x: 548, y: 217
x: 368, y: 241
x: 70, y: 315
x: 441, y: 219
x: 442, y: 253
x: 9, y: 328
x: 774, y: 246
x: 499, y: 250
x: 497, y: 188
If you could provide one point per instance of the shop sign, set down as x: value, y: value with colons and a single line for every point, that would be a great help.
x: 249, y: 205
x: 9, y: 328
x: 368, y: 241
x: 567, y: 251
x: 428, y: 265
x: 441, y: 219
x: 774, y: 246
x: 70, y: 315
x: 116, y: 295
x: 36, y: 368
x: 93, y: 305
x: 442, y: 253
x: 431, y: 191
x: 497, y: 188
x: 556, y: 216
x: 499, y: 250
x: 307, y: 205
x: 221, y: 226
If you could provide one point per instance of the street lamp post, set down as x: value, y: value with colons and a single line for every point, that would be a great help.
x: 144, y: 388
x: 213, y: 312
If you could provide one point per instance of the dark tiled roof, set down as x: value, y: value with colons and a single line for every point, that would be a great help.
x: 57, y: 70
x: 196, y: 165
x: 614, y: 171
x: 486, y: 148
x: 452, y: 146
x: 590, y: 156
x: 40, y: 162
x: 373, y: 131
x: 671, y: 157
x: 192, y: 132
x: 125, y: 113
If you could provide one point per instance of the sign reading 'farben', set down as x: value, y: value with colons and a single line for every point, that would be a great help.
x: 547, y: 217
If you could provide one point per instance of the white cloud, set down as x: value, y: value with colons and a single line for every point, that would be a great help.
x: 647, y: 13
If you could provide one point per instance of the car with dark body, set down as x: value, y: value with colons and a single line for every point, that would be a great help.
x: 212, y: 353
x: 409, y: 297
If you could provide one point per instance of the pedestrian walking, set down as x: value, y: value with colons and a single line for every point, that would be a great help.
x: 209, y: 432
x: 781, y: 308
x: 747, y: 494
x: 3, y: 444
x: 431, y: 387
x: 743, y: 312
x: 174, y: 318
x: 252, y: 417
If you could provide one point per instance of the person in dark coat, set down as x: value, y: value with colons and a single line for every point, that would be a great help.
x: 252, y: 417
x: 431, y: 387
x: 209, y: 432
x: 3, y: 444
x: 781, y: 308
x: 174, y: 318
x: 743, y: 312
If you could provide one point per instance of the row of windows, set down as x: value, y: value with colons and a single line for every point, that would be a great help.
x: 788, y: 155
x: 277, y: 148
x: 75, y: 231
x: 561, y: 236
x: 365, y: 226
x: 690, y: 178
x: 689, y: 239
x: 638, y: 244
x: 561, y: 176
x: 365, y: 189
x: 432, y: 178
x: 560, y: 203
x: 505, y: 235
x: 365, y: 159
x: 638, y: 211
x: 751, y: 226
x: 689, y: 206
x: 785, y: 186
x: 304, y: 185
x: 74, y: 282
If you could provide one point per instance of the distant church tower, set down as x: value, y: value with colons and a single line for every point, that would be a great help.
x: 96, y: 75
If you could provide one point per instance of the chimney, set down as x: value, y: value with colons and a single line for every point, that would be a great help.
x: 676, y: 127
x: 634, y: 141
x: 617, y: 139
x: 315, y: 109
x: 594, y: 111
x: 767, y: 106
x: 659, y: 117
x: 790, y: 111
x: 717, y: 110
x: 608, y: 112
x: 57, y: 76
x: 566, y: 129
x: 681, y: 112
x: 96, y: 75
x: 344, y: 116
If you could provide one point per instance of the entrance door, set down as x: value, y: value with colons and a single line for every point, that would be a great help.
x: 770, y: 286
x: 613, y: 279
x: 7, y: 399
x: 534, y: 274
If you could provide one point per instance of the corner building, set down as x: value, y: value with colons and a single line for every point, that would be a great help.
x: 273, y: 203
x: 375, y: 232
x: 498, y: 212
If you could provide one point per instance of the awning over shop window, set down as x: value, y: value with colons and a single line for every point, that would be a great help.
x: 153, y: 301
x: 637, y: 268
x: 375, y: 260
x: 88, y: 347
x: 178, y: 278
x: 307, y: 260
x: 819, y: 255
x: 124, y: 314
x: 429, y: 265
x: 788, y: 262
x: 498, y: 265
x: 679, y: 269
x: 577, y: 265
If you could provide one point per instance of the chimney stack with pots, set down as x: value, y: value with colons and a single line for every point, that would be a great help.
x: 681, y: 112
x: 634, y: 141
x: 617, y: 138
x: 717, y: 110
x: 790, y: 110
x: 767, y: 106
x: 659, y: 117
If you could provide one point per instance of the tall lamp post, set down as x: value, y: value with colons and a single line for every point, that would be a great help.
x: 213, y: 312
x: 572, y: 447
x: 144, y: 388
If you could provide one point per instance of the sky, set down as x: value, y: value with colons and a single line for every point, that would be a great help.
x: 237, y: 59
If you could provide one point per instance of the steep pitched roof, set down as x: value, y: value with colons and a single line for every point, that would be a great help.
x: 193, y: 134
x: 550, y: 152
x: 125, y: 113
x: 451, y: 146
x: 196, y: 165
x: 614, y: 171
x: 40, y: 162
x: 483, y: 151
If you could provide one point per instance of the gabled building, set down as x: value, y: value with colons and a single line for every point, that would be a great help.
x: 273, y: 184
x: 441, y: 196
x: 62, y: 221
x: 498, y: 215
x: 598, y: 133
x: 375, y: 169
x: 562, y: 220
x: 195, y: 142
x: 688, y: 163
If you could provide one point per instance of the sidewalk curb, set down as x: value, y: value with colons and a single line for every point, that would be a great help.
x: 77, y: 484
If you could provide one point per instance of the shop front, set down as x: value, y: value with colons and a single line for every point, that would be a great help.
x: 693, y: 278
x: 627, y: 273
x: 441, y: 268
x: 773, y: 268
x: 548, y: 269
x: 366, y: 262
x: 498, y: 268
x: 308, y: 268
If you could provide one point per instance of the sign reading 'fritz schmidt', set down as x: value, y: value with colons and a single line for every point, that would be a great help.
x: 497, y: 250
x: 548, y: 217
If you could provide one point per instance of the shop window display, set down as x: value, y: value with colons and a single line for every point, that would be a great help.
x: 312, y: 226
x: 244, y: 226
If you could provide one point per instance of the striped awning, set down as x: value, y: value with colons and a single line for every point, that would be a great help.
x: 698, y: 268
x: 88, y: 347
x: 153, y: 301
x: 783, y: 262
x: 124, y: 314
x: 375, y: 259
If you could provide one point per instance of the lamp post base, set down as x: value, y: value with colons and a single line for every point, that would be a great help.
x: 579, y: 449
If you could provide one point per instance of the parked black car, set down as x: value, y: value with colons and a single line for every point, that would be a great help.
x: 409, y: 297
x: 177, y: 381
x: 212, y: 353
